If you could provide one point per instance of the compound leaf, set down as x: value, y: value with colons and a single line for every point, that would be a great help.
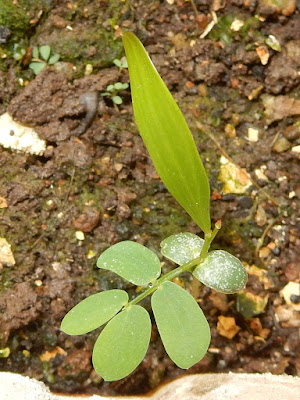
x: 93, y: 311
x: 122, y: 344
x: 131, y: 261
x: 167, y: 135
x: 222, y: 271
x: 182, y: 247
x: 181, y: 323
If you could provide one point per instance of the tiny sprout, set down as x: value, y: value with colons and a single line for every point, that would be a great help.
x: 113, y: 90
x: 121, y: 64
x: 41, y: 58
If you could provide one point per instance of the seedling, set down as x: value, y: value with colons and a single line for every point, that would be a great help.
x: 113, y: 90
x: 121, y: 64
x: 184, y: 330
x: 41, y: 58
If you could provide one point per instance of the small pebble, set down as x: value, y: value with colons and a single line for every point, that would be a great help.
x: 292, y: 132
x: 79, y: 235
x: 245, y: 202
x: 281, y: 145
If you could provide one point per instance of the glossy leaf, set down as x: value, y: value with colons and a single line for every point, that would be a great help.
x: 122, y: 344
x: 45, y: 52
x: 181, y: 323
x: 131, y: 261
x: 93, y: 311
x: 166, y: 135
x: 222, y: 271
x: 182, y: 247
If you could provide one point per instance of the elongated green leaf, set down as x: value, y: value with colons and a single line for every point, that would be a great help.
x: 131, y: 261
x: 222, y: 271
x: 182, y: 247
x: 93, y: 311
x: 122, y: 344
x: 166, y: 135
x: 181, y: 324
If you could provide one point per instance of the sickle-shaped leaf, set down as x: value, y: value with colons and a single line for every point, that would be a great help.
x: 181, y: 323
x: 222, y: 272
x: 167, y: 135
x: 131, y: 261
x: 122, y: 344
x: 182, y: 247
x: 93, y: 312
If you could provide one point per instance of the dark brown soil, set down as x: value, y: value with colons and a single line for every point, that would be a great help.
x: 104, y: 184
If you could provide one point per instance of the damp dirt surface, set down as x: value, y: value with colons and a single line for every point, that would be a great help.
x: 241, y: 98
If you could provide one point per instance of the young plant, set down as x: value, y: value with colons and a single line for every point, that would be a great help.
x: 41, y: 58
x: 113, y: 90
x: 121, y: 64
x: 184, y: 330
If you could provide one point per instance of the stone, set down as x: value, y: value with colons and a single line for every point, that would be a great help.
x: 190, y: 387
x: 20, y: 137
x: 280, y: 107
x: 281, y: 145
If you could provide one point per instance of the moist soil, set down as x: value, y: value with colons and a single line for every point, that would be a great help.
x: 96, y: 178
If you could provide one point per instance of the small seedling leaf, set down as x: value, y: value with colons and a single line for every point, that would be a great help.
x: 118, y: 85
x: 117, y: 100
x: 124, y: 63
x: 53, y: 59
x: 93, y: 312
x: 37, y: 67
x: 110, y: 88
x: 182, y: 247
x: 122, y: 344
x: 181, y: 323
x: 117, y: 62
x: 35, y: 52
x: 45, y: 52
x: 167, y: 135
x: 131, y: 261
x: 222, y: 272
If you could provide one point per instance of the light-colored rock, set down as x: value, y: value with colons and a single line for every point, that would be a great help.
x: 19, y: 137
x: 279, y: 107
x: 6, y: 254
x: 191, y: 387
x: 235, y: 180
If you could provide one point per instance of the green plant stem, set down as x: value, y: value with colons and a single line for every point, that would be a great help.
x: 208, y: 238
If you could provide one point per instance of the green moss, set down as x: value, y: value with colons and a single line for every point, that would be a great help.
x: 14, y: 17
x: 222, y: 30
x: 17, y: 17
x: 75, y: 48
